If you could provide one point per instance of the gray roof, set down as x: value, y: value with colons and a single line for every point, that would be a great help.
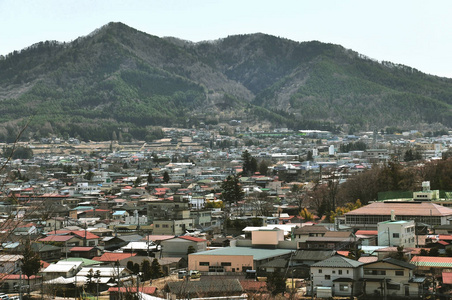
x: 275, y: 263
x: 313, y: 255
x: 338, y: 262
x: 258, y: 254
x: 396, y: 262
x: 205, y: 286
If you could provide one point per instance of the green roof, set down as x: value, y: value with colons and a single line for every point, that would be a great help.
x: 85, y: 262
x: 258, y: 254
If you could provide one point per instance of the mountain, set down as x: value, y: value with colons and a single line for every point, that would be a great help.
x: 120, y: 79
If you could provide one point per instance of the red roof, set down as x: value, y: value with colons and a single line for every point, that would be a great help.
x: 109, y: 256
x: 81, y: 249
x: 252, y: 285
x: 44, y: 264
x: 83, y: 234
x: 447, y: 278
x: 367, y: 232
x: 16, y: 276
x: 56, y: 238
x: 445, y: 237
x: 343, y: 253
x: 435, y: 259
x: 192, y: 238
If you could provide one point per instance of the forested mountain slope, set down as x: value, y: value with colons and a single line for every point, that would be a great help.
x: 118, y: 77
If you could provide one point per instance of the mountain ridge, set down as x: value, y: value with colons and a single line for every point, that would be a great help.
x: 119, y: 77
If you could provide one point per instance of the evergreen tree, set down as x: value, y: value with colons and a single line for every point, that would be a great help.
x: 150, y: 178
x: 232, y: 191
x: 246, y: 166
x: 166, y: 177
x: 31, y: 262
x: 146, y: 270
x: 156, y: 269
x: 276, y: 283
x: 130, y: 265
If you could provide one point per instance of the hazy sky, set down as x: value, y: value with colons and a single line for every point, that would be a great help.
x: 410, y: 32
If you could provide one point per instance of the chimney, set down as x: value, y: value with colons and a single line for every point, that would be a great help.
x: 392, y: 216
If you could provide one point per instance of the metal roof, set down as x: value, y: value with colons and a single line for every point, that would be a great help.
x: 338, y: 262
x: 258, y: 254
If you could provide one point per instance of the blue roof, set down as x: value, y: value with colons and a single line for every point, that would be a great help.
x: 119, y: 213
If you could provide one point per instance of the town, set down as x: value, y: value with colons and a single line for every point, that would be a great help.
x: 224, y: 211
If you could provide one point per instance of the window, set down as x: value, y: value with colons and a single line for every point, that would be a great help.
x: 320, y: 271
x: 343, y: 287
x: 204, y: 263
x: 399, y: 273
x: 157, y: 226
x: 334, y: 272
x: 165, y: 225
x: 395, y: 235
x: 339, y: 272
x: 225, y: 264
x: 327, y: 277
x: 374, y: 272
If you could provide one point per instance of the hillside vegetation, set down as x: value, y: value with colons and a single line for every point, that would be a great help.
x: 121, y: 79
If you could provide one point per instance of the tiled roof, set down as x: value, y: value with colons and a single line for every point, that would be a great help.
x: 111, y: 257
x: 447, y: 277
x: 80, y: 249
x: 368, y: 259
x: 338, y: 262
x: 397, y: 262
x: 56, y: 238
x: 252, y: 285
x: 83, y: 234
x: 366, y: 232
x: 402, y: 209
x: 432, y: 261
x: 192, y: 238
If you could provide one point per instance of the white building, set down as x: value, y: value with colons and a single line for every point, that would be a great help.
x: 396, y: 233
x: 338, y: 273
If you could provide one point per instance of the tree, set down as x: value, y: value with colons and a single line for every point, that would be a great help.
x: 31, y: 262
x: 276, y: 283
x: 130, y: 265
x: 306, y: 215
x: 137, y: 181
x: 146, y: 270
x: 90, y: 284
x: 309, y: 156
x: 263, y: 167
x: 150, y: 178
x: 136, y: 268
x: 88, y: 175
x: 156, y: 269
x: 232, y: 191
x: 191, y: 250
x: 246, y: 166
x: 166, y: 177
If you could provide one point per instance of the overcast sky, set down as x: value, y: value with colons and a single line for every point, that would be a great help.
x: 410, y: 32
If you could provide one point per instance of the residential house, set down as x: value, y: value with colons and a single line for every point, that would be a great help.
x: 179, y: 246
x: 301, y: 234
x: 10, y: 264
x: 62, y: 269
x: 233, y: 259
x: 339, y: 274
x: 391, y: 278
